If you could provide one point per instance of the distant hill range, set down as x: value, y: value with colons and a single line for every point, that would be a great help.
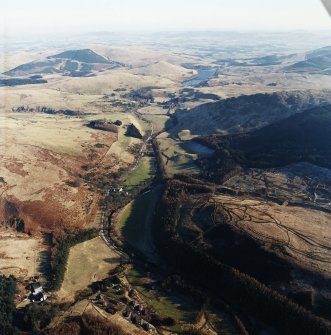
x: 268, y: 60
x: 317, y: 61
x: 74, y: 63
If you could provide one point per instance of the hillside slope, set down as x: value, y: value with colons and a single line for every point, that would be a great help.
x: 165, y: 69
x: 246, y: 113
x: 74, y: 63
x: 316, y: 61
x: 301, y: 137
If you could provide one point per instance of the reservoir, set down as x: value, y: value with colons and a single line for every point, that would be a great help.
x: 197, y: 148
x: 203, y: 74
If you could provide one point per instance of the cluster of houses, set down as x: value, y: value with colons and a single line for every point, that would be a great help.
x: 137, y: 314
x: 110, y: 305
x: 133, y: 311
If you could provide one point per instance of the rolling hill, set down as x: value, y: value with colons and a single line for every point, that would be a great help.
x: 165, y: 69
x: 246, y: 113
x: 316, y: 61
x: 303, y: 137
x: 73, y: 63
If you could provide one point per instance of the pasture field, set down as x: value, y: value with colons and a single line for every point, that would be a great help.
x: 88, y: 262
x: 141, y: 173
x: 158, y: 121
x: 176, y: 158
x: 133, y: 221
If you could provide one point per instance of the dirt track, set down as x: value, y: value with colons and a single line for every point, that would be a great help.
x: 302, y: 234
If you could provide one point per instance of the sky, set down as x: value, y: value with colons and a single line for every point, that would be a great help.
x: 34, y: 17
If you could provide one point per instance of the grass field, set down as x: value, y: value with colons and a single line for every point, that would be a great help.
x: 180, y: 160
x: 120, y: 147
x: 141, y: 173
x: 158, y: 121
x: 133, y: 220
x: 153, y: 110
x: 88, y: 262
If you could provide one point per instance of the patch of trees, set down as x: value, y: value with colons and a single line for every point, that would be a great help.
x: 31, y: 66
x: 184, y: 186
x: 158, y: 321
x: 303, y: 297
x: 8, y: 291
x: 222, y: 165
x: 144, y: 95
x: 16, y: 223
x: 133, y: 131
x: 83, y: 55
x: 22, y: 109
x: 188, y: 94
x: 36, y: 76
x: 34, y: 318
x: 98, y: 180
x: 59, y: 263
x: 46, y: 110
x: 194, y: 181
x: 118, y: 123
x: 70, y: 66
x: 239, y: 250
x: 21, y: 81
x: 117, y: 200
x: 161, y: 169
x: 12, y: 217
x: 73, y: 183
x: 241, y: 291
x: 105, y: 125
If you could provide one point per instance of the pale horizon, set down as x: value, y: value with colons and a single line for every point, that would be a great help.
x: 36, y: 17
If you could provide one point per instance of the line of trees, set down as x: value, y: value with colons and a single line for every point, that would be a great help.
x: 59, y: 264
x: 162, y: 172
x: 242, y: 292
x: 8, y: 291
